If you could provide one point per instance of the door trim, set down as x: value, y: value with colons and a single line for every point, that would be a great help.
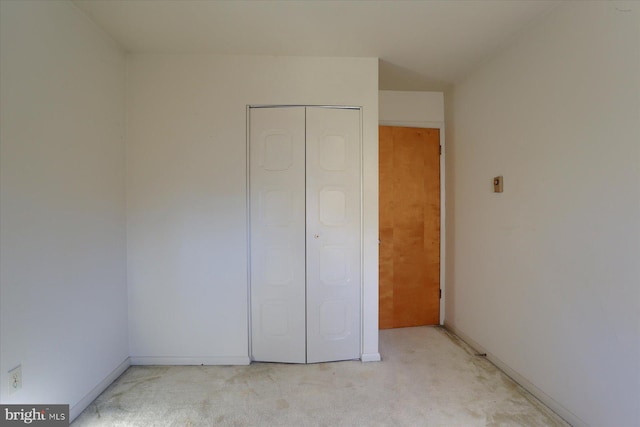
x: 440, y: 126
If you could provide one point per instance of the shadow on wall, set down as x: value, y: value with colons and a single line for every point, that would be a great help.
x: 395, y: 77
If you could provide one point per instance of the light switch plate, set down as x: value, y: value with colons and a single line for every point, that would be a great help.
x: 498, y: 182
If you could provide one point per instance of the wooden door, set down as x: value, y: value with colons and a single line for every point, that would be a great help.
x: 409, y: 226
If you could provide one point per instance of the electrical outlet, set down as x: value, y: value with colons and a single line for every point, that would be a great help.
x: 15, y: 379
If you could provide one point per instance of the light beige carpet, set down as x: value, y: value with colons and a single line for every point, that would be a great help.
x: 427, y: 378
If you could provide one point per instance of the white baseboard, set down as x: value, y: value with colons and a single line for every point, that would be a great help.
x: 552, y: 404
x: 371, y: 357
x: 219, y: 360
x: 77, y: 409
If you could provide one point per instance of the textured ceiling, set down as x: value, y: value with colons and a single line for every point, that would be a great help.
x: 422, y: 45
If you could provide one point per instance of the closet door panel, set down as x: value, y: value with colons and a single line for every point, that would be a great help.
x: 277, y: 234
x: 333, y: 234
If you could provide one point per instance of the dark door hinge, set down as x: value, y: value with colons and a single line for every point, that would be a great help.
x: 440, y: 293
x: 441, y: 150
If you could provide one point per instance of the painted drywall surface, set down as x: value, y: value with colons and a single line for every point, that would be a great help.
x: 411, y: 107
x: 187, y: 193
x: 62, y: 207
x: 545, y: 276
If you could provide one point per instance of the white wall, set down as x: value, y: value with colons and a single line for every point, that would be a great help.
x: 187, y: 187
x: 411, y: 108
x: 546, y: 276
x: 63, y: 305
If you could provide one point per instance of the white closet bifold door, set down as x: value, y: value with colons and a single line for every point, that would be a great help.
x: 305, y: 234
x: 333, y: 234
x: 277, y: 234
